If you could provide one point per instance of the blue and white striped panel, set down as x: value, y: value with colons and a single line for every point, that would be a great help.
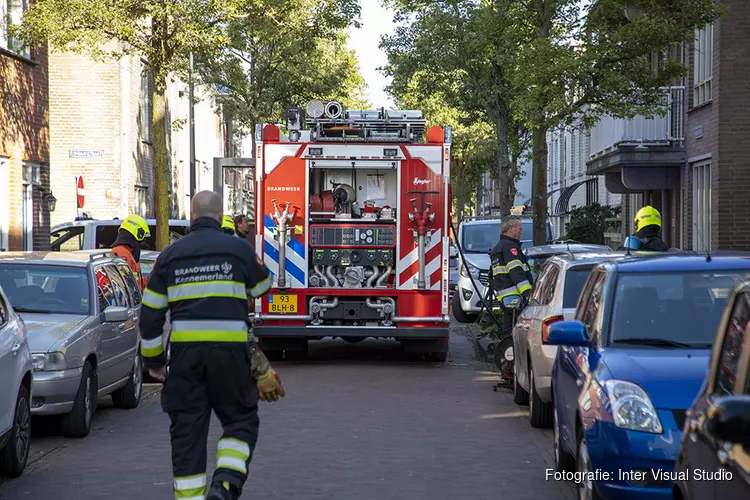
x: 296, y: 267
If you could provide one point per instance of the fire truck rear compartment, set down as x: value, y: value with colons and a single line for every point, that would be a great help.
x: 350, y: 220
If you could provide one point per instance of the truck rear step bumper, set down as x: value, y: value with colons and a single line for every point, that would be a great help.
x: 399, y: 333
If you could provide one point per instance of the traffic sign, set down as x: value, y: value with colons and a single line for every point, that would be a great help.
x: 80, y: 191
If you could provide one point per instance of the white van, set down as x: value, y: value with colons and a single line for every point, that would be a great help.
x: 92, y: 234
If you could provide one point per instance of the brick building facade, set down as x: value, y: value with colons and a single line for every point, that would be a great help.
x: 694, y: 164
x: 716, y: 177
x: 24, y: 142
x: 101, y: 131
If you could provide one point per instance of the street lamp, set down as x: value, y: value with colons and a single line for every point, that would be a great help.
x: 50, y: 200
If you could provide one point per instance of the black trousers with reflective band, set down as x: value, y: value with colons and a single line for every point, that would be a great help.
x: 205, y: 377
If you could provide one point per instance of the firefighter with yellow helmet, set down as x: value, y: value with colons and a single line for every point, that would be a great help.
x: 133, y: 231
x: 227, y: 225
x: 647, y: 227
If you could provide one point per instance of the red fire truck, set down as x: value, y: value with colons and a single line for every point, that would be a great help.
x: 352, y: 220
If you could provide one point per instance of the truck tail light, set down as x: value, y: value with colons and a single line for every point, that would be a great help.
x: 546, y: 324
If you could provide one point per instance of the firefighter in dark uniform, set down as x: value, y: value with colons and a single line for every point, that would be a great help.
x: 511, y: 275
x: 647, y: 227
x: 205, y: 281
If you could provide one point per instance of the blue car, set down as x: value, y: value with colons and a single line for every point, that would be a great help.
x: 630, y: 365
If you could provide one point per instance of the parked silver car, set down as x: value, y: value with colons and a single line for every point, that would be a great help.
x: 15, y: 391
x: 81, y: 312
x: 554, y: 298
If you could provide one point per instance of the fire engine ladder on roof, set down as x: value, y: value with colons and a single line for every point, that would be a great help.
x: 399, y: 126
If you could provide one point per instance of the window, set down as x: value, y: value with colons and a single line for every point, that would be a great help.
x: 592, y: 304
x: 677, y: 306
x: 132, y: 284
x: 118, y: 286
x: 731, y: 349
x: 703, y: 65
x: 550, y: 285
x: 29, y: 180
x: 141, y: 201
x: 11, y: 12
x: 45, y: 289
x: 106, y: 294
x: 67, y: 240
x: 545, y: 287
x: 575, y: 278
x: 3, y: 312
x: 146, y: 104
x: 702, y: 207
x: 4, y: 206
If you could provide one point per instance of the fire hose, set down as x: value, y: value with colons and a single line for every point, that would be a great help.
x: 490, y: 296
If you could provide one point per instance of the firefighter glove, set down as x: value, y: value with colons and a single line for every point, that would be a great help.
x: 269, y: 386
x: 268, y: 382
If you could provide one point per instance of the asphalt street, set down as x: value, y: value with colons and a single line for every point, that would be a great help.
x: 357, y: 422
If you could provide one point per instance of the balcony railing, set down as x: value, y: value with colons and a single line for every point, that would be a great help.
x: 668, y: 130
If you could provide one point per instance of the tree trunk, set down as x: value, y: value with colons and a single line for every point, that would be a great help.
x: 161, y: 166
x: 539, y: 183
x: 503, y: 167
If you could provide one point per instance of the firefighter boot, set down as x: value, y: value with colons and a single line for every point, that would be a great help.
x: 222, y: 491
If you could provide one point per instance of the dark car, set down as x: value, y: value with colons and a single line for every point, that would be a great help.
x: 714, y: 459
x: 631, y: 364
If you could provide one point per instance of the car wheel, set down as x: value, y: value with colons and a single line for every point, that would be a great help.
x: 129, y: 396
x: 77, y: 423
x: 16, y: 453
x: 563, y: 460
x: 586, y: 488
x: 458, y: 313
x: 520, y: 396
x: 540, y: 413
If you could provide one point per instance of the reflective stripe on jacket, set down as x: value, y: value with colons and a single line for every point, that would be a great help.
x: 510, y: 269
x: 204, y: 280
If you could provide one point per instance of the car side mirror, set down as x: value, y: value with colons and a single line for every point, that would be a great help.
x: 114, y: 314
x: 728, y: 419
x: 453, y: 251
x: 569, y: 333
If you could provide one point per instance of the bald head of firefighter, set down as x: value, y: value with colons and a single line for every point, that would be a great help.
x: 511, y: 276
x: 206, y: 281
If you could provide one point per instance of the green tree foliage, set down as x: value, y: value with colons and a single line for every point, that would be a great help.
x: 454, y: 48
x: 587, y: 224
x: 474, y: 145
x: 284, y: 55
x: 575, y: 61
x: 162, y: 32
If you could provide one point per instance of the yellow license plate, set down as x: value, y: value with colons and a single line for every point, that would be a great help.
x: 282, y: 304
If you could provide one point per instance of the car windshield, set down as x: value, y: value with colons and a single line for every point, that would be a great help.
x: 575, y: 278
x: 46, y: 289
x: 683, y: 307
x: 481, y: 238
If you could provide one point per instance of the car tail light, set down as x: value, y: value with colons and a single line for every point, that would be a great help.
x: 546, y: 324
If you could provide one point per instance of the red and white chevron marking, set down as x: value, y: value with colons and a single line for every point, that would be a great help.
x: 408, y: 267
